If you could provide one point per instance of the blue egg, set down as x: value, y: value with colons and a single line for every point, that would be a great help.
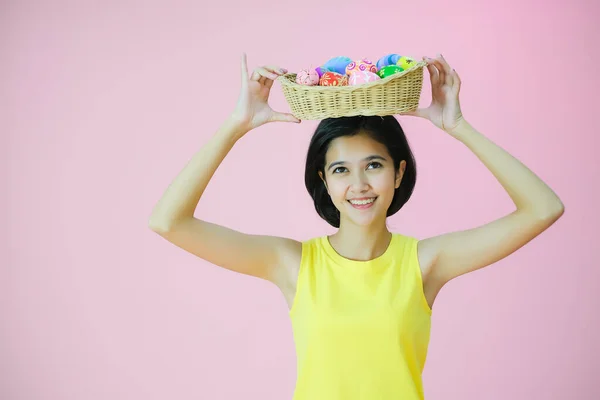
x: 338, y: 64
x: 389, y: 59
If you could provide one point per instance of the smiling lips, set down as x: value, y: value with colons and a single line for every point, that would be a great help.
x: 362, y: 203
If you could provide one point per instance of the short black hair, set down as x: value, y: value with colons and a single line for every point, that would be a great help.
x: 386, y: 130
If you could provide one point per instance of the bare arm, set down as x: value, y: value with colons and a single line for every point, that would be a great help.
x: 537, y: 208
x: 173, y: 216
x: 450, y: 255
x: 182, y: 196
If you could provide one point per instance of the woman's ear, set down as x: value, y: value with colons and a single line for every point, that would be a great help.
x: 324, y: 182
x: 400, y: 174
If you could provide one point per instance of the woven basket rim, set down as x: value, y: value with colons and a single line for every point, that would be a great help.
x: 290, y: 78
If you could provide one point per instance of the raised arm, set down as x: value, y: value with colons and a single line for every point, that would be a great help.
x: 447, y: 256
x: 173, y: 216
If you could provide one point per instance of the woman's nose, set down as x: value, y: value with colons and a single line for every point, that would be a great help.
x: 359, y: 182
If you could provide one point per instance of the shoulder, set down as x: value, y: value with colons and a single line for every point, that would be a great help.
x: 291, y: 249
x: 424, y: 249
x: 291, y: 252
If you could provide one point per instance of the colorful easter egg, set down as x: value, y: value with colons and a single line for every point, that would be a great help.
x: 321, y: 70
x: 389, y: 59
x: 405, y: 62
x: 307, y: 77
x: 360, y: 77
x: 331, y: 78
x: 389, y: 70
x: 338, y: 64
x: 360, y: 65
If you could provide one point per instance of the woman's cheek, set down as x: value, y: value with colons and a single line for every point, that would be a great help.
x: 338, y: 190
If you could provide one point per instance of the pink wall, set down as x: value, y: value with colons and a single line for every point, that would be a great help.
x: 102, y: 105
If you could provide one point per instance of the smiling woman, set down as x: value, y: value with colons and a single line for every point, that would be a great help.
x: 360, y: 301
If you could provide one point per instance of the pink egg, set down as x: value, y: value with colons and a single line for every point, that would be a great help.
x: 360, y: 77
x: 360, y: 66
x: 307, y: 77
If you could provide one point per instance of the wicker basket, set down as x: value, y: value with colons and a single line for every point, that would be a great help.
x: 392, y: 95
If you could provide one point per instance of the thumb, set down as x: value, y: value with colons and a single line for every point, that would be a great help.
x: 419, y: 112
x: 284, y: 117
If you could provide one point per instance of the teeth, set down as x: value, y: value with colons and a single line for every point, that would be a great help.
x: 362, y: 202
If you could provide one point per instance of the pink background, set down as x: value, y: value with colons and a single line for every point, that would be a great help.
x: 103, y: 104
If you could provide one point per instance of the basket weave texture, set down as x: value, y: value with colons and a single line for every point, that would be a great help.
x: 392, y: 95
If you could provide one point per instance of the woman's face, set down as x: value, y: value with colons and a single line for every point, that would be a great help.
x: 360, y: 178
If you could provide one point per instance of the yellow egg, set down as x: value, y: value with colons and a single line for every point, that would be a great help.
x: 405, y: 62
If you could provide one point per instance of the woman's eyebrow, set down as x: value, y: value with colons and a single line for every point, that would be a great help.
x: 370, y: 158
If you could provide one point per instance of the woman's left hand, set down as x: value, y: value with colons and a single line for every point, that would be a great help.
x: 444, y: 111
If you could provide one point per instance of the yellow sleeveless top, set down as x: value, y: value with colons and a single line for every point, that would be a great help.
x: 361, y: 328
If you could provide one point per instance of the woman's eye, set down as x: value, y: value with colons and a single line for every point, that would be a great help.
x: 375, y: 164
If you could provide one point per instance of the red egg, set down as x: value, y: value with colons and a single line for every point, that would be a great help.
x: 333, y: 79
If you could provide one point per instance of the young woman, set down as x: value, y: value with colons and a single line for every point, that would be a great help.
x: 361, y: 299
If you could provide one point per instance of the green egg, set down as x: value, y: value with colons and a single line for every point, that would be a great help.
x: 389, y: 70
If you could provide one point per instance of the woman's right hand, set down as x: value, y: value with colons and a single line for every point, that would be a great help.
x: 252, y: 109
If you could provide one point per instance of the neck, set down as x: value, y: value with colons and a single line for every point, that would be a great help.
x: 361, y: 243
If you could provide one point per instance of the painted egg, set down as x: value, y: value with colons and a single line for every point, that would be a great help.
x: 389, y: 70
x: 307, y: 77
x: 360, y: 66
x: 389, y: 59
x: 338, y: 64
x: 405, y: 62
x: 321, y: 71
x: 362, y: 77
x: 331, y: 78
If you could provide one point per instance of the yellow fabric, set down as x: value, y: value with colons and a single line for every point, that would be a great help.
x: 361, y: 328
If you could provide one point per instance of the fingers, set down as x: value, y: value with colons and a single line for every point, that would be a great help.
x: 267, y: 75
x: 449, y: 71
x: 440, y: 70
x: 276, y: 69
x: 433, y: 72
x: 268, y: 72
x: 441, y: 63
x: 452, y: 78
x: 268, y: 83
